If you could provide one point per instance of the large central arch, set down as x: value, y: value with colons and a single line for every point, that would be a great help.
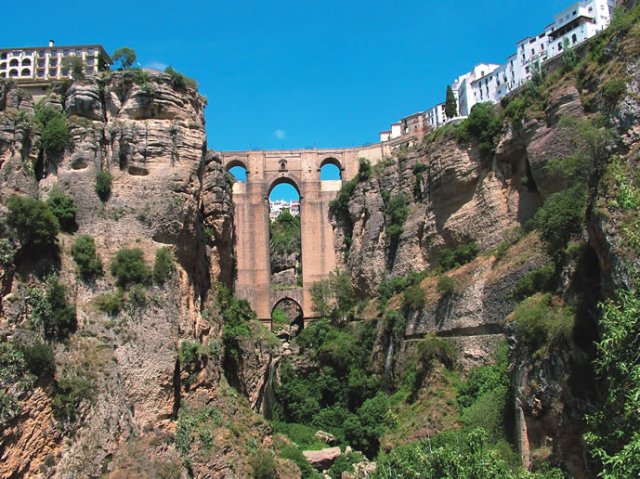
x: 301, y: 168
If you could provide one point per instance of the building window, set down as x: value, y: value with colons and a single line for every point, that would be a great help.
x: 25, y: 72
x: 3, y: 56
x: 574, y: 38
x: 41, y: 53
x: 91, y: 51
x: 65, y: 53
x: 53, y: 62
x: 14, y: 63
x: 26, y: 62
x: 40, y: 73
x: 54, y: 52
x: 64, y: 73
x: 78, y: 52
x: 3, y: 65
x: 41, y: 63
x: 13, y: 73
x: 90, y: 61
x: 53, y: 72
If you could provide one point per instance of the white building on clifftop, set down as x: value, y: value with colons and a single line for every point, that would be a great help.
x: 491, y: 82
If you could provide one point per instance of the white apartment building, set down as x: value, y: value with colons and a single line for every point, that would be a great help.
x: 474, y: 87
x: 489, y: 82
x: 435, y: 117
x: 278, y: 206
x: 572, y: 26
x: 35, y: 64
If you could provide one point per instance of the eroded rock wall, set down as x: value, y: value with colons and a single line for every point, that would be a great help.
x: 166, y: 192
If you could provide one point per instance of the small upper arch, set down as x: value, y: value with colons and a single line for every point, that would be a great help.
x: 238, y: 170
x: 330, y: 169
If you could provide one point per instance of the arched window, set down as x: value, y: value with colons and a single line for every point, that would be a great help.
x: 330, y: 170
x: 14, y: 63
x: 25, y: 72
x: 26, y: 62
x: 13, y: 73
x: 239, y: 172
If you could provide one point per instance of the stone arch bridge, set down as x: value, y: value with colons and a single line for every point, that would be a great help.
x: 300, y: 168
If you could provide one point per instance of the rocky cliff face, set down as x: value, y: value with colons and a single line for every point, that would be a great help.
x: 167, y: 191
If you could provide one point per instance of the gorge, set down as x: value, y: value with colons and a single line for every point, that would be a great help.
x: 468, y: 299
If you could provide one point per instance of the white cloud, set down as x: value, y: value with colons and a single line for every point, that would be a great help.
x: 156, y: 66
x: 280, y: 134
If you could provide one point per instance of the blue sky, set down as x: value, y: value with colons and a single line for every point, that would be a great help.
x: 297, y: 73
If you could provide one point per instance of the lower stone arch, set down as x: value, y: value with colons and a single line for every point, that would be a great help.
x: 295, y: 323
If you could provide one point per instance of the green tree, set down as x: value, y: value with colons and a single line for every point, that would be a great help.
x: 334, y: 297
x: 125, y: 56
x: 84, y: 254
x: 50, y: 313
x: 451, y: 105
x: 164, y: 265
x: 64, y: 209
x: 128, y: 267
x: 75, y: 65
x: 55, y: 136
x: 614, y: 436
x: 103, y: 185
x: 34, y: 224
x: 483, y: 125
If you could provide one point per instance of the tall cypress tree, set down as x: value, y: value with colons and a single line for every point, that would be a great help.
x: 450, y: 106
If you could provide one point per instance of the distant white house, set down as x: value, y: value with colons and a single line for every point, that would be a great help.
x: 488, y: 82
x: 278, y: 206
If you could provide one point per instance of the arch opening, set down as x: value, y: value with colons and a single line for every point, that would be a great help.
x: 239, y: 173
x: 285, y: 246
x: 287, y: 318
x: 330, y: 170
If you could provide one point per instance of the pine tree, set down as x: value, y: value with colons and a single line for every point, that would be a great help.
x: 450, y: 106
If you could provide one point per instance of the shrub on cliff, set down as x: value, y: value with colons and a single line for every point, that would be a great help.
x: 334, y: 298
x: 542, y: 321
x: 537, y: 281
x: 396, y: 213
x: 483, y: 125
x: 164, y: 265
x: 128, y: 267
x: 34, y: 224
x: 103, y: 185
x: 39, y: 359
x: 180, y: 81
x: 55, y: 137
x: 110, y: 303
x: 560, y: 217
x: 454, y: 257
x: 50, y: 312
x: 413, y: 298
x: 64, y: 209
x: 84, y: 254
